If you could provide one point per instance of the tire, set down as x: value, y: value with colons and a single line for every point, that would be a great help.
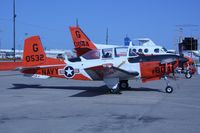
x: 169, y: 89
x: 188, y: 75
x: 115, y: 91
x: 123, y: 84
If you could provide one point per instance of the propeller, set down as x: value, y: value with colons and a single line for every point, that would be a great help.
x: 173, y: 72
x: 182, y: 61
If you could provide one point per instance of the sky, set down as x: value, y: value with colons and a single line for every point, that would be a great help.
x: 161, y: 20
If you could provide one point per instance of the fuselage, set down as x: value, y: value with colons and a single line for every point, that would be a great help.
x: 120, y: 62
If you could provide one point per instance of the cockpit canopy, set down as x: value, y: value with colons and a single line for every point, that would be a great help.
x: 93, y: 54
x: 109, y: 53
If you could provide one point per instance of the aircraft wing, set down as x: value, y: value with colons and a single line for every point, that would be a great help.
x: 124, y: 72
x: 106, y: 71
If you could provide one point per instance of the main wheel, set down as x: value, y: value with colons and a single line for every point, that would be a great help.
x: 188, y: 75
x: 123, y: 84
x: 115, y: 91
x: 169, y: 89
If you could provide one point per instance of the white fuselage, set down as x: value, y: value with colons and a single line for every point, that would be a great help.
x: 143, y: 49
x: 117, y: 60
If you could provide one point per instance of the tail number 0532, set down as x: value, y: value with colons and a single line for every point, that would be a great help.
x: 33, y: 58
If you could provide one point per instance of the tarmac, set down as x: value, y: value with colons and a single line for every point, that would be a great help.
x: 53, y: 105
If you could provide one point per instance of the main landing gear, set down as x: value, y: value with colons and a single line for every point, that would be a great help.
x: 168, y: 89
x: 121, y: 85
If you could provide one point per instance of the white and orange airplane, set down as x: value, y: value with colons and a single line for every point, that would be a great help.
x: 83, y: 44
x: 115, y: 66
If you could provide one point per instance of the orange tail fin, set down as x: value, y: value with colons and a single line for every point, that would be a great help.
x: 33, y: 52
x: 82, y: 43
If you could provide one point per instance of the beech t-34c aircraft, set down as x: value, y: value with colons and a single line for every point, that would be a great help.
x: 82, y: 44
x: 114, y: 66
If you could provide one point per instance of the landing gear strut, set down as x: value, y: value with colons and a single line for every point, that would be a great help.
x: 168, y: 89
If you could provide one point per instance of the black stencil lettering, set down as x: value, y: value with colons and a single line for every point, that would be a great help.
x: 78, y: 35
x: 35, y: 47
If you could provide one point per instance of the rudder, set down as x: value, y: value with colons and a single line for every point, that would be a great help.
x: 82, y: 43
x: 33, y: 52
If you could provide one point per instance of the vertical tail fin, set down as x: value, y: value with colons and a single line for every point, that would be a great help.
x: 82, y: 43
x: 33, y: 52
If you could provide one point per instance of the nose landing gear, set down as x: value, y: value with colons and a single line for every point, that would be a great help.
x: 168, y: 89
x: 188, y: 74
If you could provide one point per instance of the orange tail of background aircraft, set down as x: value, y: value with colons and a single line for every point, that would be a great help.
x: 82, y: 43
x: 33, y: 56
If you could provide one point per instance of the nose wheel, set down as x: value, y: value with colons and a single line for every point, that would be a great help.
x: 188, y: 75
x: 169, y: 89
